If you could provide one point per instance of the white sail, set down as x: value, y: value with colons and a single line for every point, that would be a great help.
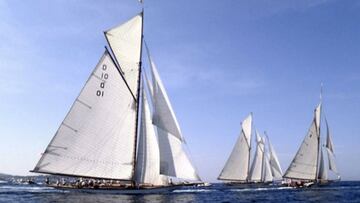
x: 257, y: 164
x: 267, y: 174
x: 96, y: 138
x: 148, y: 155
x: 237, y: 166
x: 323, y: 175
x: 274, y: 162
x: 125, y: 42
x: 173, y: 159
x: 163, y: 115
x: 331, y: 158
x: 329, y: 143
x: 304, y: 165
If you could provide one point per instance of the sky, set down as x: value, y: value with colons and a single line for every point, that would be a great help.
x: 219, y: 61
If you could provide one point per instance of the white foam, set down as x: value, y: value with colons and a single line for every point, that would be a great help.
x: 3, y: 181
x: 260, y: 189
x: 192, y: 190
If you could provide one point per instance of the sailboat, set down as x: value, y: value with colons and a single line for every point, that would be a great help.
x: 309, y: 166
x: 113, y: 132
x: 265, y: 167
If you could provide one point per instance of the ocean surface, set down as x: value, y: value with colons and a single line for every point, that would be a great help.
x: 336, y: 192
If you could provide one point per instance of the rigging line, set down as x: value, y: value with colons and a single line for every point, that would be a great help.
x: 119, y: 70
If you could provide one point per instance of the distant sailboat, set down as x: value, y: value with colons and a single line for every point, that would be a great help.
x: 265, y: 166
x: 309, y: 164
x: 110, y: 132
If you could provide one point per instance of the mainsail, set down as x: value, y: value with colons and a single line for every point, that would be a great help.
x: 96, y: 137
x: 305, y: 163
x: 237, y: 166
x: 256, y: 171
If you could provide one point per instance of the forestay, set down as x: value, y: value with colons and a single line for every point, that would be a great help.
x: 96, y: 138
x: 125, y: 42
x: 237, y: 166
x: 304, y: 165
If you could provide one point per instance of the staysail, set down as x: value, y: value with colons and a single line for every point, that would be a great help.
x: 148, y: 156
x: 323, y: 175
x: 237, y: 166
x: 125, y: 43
x: 163, y: 115
x: 274, y: 161
x: 174, y: 161
x: 304, y: 165
x: 268, y: 176
x: 256, y: 171
x: 96, y: 138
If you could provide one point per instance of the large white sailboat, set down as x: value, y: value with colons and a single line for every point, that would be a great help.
x: 265, y: 166
x: 309, y: 165
x: 113, y: 131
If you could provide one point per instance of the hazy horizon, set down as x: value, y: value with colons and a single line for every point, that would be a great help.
x: 219, y: 61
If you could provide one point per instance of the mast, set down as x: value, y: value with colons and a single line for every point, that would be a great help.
x: 248, y: 171
x: 138, y: 99
x: 318, y: 137
x: 263, y: 162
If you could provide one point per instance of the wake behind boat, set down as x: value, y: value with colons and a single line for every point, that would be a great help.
x: 111, y: 133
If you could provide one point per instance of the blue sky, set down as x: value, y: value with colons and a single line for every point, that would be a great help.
x: 219, y: 61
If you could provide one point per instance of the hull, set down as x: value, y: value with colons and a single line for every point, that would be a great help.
x: 119, y: 190
x: 307, y: 184
x: 248, y: 184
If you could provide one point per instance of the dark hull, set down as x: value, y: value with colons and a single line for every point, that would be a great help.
x: 125, y: 189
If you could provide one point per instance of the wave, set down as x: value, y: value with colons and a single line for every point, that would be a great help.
x: 192, y: 190
x: 3, y: 181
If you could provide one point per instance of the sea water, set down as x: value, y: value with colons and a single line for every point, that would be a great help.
x: 344, y: 191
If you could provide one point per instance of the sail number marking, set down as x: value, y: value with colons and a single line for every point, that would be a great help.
x: 104, y: 77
